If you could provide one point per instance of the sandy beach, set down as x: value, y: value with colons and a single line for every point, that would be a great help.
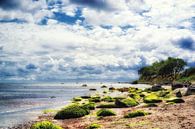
x: 164, y: 116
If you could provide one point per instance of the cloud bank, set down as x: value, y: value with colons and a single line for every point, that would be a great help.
x: 63, y: 40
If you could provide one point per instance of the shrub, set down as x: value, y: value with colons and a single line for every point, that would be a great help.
x: 89, y: 106
x: 128, y: 102
x: 152, y: 98
x: 71, y: 111
x: 175, y: 100
x: 45, y: 125
x: 108, y: 99
x: 107, y: 105
x: 136, y: 114
x: 93, y: 126
x: 105, y: 112
x: 95, y: 99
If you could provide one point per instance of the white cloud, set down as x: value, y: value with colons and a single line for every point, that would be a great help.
x: 63, y: 51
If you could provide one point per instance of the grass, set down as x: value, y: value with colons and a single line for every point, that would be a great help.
x: 72, y: 111
x: 105, y: 112
x: 137, y: 113
x: 94, y: 126
x: 128, y: 102
x: 45, y: 125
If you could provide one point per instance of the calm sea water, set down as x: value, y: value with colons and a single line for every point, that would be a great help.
x: 23, y: 102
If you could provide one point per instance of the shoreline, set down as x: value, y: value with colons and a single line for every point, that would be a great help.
x: 162, y: 117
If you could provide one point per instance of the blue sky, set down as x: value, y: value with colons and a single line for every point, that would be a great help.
x: 74, y: 40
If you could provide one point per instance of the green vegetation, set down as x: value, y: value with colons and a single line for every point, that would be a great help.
x: 105, y: 112
x: 175, y: 100
x: 128, y: 102
x: 95, y: 99
x: 163, y: 71
x: 108, y: 99
x: 94, y: 126
x: 45, y: 125
x: 150, y: 105
x: 107, y: 105
x: 152, y: 98
x: 89, y: 106
x: 46, y: 111
x: 136, y: 114
x: 72, y: 111
x: 76, y: 99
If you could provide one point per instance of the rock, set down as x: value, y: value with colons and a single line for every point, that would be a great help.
x: 184, y: 91
x: 177, y: 85
x: 178, y: 94
x: 92, y: 89
x: 84, y: 85
x: 156, y: 87
x: 111, y: 88
x: 104, y: 86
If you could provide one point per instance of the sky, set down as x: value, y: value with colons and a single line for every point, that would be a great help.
x: 103, y: 40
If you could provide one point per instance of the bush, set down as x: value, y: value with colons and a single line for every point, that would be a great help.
x: 72, y: 111
x: 136, y: 114
x: 95, y: 99
x: 107, y: 105
x: 93, y: 126
x: 108, y: 99
x: 128, y: 102
x: 89, y: 106
x: 45, y: 125
x: 175, y: 100
x: 105, y: 112
x: 152, y: 98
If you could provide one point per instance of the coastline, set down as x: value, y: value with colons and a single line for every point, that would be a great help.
x: 165, y: 116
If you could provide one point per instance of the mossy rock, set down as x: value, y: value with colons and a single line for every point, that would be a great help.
x: 72, y: 111
x: 108, y: 99
x: 89, y: 106
x: 95, y: 99
x: 137, y: 113
x: 94, y: 126
x: 107, y: 105
x: 105, y: 112
x: 152, y: 98
x: 104, y: 86
x: 150, y: 105
x: 85, y: 97
x: 77, y: 99
x: 175, y: 100
x: 45, y: 125
x: 134, y: 96
x: 119, y: 97
x: 128, y: 102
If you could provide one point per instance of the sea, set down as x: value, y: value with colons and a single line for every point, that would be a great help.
x: 23, y: 102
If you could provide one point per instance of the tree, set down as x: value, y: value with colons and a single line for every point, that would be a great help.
x: 163, y: 69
